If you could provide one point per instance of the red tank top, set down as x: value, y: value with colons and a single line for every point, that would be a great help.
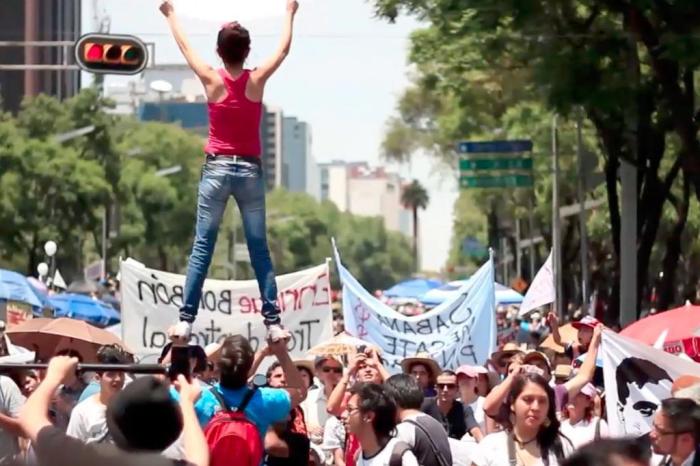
x: 234, y: 123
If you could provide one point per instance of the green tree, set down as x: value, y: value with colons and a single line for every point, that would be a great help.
x: 415, y: 197
x: 628, y: 64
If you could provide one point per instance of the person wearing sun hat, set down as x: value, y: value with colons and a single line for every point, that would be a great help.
x: 425, y: 370
x: 329, y: 370
x: 501, y: 358
x: 539, y: 360
x: 579, y: 422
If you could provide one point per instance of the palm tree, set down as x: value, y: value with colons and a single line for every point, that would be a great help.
x: 414, y: 197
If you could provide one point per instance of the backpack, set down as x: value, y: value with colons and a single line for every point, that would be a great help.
x: 233, y: 439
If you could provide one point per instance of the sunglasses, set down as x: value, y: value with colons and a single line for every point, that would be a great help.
x: 336, y: 370
x: 449, y: 386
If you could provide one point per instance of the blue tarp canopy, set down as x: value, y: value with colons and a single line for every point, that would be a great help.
x: 413, y: 288
x: 15, y: 287
x: 81, y: 307
x: 504, y: 295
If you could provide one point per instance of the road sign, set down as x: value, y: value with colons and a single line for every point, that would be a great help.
x: 496, y: 163
x: 495, y: 147
x: 505, y: 181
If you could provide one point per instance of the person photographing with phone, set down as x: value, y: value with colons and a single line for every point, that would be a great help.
x: 233, y: 165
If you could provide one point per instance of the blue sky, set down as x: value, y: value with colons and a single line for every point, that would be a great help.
x: 344, y: 76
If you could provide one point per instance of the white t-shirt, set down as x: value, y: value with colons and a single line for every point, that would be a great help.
x: 493, y: 451
x: 11, y: 401
x: 88, y: 421
x: 583, y: 432
x: 382, y: 458
x: 478, y: 409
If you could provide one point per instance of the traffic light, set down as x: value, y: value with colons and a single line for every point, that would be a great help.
x: 111, y: 54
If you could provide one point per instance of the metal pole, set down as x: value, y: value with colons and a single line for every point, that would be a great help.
x: 132, y: 368
x: 104, y: 242
x: 556, y: 221
x: 518, y: 258
x: 531, y: 232
x: 235, y: 239
x: 628, y: 244
x: 582, y: 212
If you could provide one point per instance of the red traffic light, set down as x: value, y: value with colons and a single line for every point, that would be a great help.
x: 111, y: 54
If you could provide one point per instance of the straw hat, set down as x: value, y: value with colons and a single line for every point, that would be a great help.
x: 421, y: 358
x: 509, y: 349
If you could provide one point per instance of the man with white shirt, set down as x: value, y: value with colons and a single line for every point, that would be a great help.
x: 371, y: 417
x: 675, y: 432
x: 88, y: 421
x: 329, y: 370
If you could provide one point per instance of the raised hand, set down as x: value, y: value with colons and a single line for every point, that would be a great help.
x: 167, y: 8
x: 292, y: 6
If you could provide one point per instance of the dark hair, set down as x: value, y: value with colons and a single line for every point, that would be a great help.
x: 235, y: 362
x: 233, y: 43
x: 197, y: 352
x: 70, y: 353
x: 112, y: 354
x: 271, y: 369
x: 404, y: 390
x: 548, y: 435
x: 683, y: 415
x: 374, y: 399
x: 608, y: 452
x: 638, y: 371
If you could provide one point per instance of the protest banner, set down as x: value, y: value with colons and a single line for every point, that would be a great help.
x: 461, y: 330
x: 151, y: 300
x: 637, y: 378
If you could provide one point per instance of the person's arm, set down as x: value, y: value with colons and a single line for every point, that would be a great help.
x: 495, y: 399
x: 259, y: 358
x: 553, y: 322
x: 339, y: 457
x: 260, y: 75
x: 472, y: 426
x: 335, y: 401
x: 34, y: 416
x: 204, y: 72
x: 196, y: 448
x: 587, y: 371
x: 295, y: 384
x: 477, y: 434
x: 275, y: 445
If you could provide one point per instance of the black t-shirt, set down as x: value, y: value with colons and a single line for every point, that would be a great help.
x: 54, y: 448
x: 458, y: 421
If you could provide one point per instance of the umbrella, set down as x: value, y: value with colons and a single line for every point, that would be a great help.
x: 48, y: 336
x: 42, y: 292
x: 15, y: 287
x: 567, y: 332
x: 682, y: 327
x: 413, y: 288
x: 682, y: 323
x: 340, y: 345
x: 504, y: 295
x: 81, y: 307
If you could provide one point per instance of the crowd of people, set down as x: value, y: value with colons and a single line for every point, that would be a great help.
x: 517, y: 409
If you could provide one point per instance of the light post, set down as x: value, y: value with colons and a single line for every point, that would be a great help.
x: 50, y: 248
x: 43, y: 270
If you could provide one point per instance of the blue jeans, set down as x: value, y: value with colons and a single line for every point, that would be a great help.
x: 244, y: 181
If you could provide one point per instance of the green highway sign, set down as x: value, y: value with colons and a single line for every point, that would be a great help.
x: 504, y: 181
x: 495, y: 163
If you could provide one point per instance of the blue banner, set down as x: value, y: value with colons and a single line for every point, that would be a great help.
x: 461, y: 330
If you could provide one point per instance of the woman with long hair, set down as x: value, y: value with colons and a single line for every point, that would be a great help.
x: 531, y: 436
x: 233, y: 164
x: 579, y: 423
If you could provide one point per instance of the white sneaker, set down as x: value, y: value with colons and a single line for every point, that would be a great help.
x: 276, y: 333
x: 183, y: 329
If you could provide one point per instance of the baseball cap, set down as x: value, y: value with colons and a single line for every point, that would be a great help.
x: 532, y: 355
x: 144, y: 417
x: 587, y: 321
x: 471, y: 371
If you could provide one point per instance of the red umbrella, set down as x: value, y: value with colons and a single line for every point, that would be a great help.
x: 683, y: 325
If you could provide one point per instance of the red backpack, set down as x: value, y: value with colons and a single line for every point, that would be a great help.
x: 233, y: 439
